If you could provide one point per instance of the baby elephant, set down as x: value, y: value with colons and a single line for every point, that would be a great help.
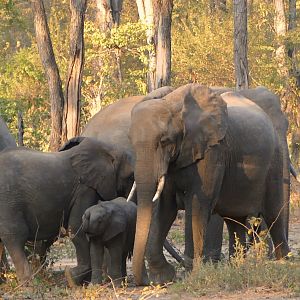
x: 110, y: 225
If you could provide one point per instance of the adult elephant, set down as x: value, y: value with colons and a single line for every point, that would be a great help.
x: 270, y: 103
x: 219, y: 154
x: 6, y: 141
x: 110, y: 126
x: 61, y: 185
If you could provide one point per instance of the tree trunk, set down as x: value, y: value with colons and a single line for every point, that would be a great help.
x: 241, y: 44
x: 162, y: 42
x: 292, y: 51
x: 157, y: 14
x: 280, y: 29
x: 109, y: 13
x: 74, y: 78
x: 48, y: 60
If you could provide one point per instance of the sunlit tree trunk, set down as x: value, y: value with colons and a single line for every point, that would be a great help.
x: 157, y: 15
x: 74, y: 79
x: 295, y: 72
x: 109, y: 13
x: 292, y: 51
x: 48, y: 60
x: 145, y: 10
x: 280, y: 29
x: 241, y: 44
x: 162, y: 42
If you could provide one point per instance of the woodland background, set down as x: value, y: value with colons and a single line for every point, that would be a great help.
x: 116, y: 60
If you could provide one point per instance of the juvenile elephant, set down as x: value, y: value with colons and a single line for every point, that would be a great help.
x: 39, y: 192
x: 219, y: 154
x: 110, y: 225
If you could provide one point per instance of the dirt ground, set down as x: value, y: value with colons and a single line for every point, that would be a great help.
x: 63, y: 255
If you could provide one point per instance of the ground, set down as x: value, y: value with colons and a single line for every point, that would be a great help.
x: 281, y: 280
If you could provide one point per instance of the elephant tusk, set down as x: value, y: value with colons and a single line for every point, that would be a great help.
x: 160, y: 188
x: 132, y: 191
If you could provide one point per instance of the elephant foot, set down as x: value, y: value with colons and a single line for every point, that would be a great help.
x: 188, y: 263
x: 77, y: 275
x: 166, y: 273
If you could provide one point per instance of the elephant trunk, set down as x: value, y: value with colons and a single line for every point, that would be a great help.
x: 146, y: 187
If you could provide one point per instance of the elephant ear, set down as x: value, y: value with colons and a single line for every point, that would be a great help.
x: 117, y: 222
x: 94, y: 164
x: 204, y: 118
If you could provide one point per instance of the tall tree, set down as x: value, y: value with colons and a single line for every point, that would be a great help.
x: 109, y: 13
x: 292, y: 51
x: 157, y: 15
x: 162, y: 41
x: 295, y: 72
x: 52, y: 73
x: 241, y: 44
x: 74, y: 79
x: 280, y: 29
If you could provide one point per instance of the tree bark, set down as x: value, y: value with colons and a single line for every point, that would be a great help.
x: 280, y: 29
x: 157, y: 15
x: 52, y: 73
x: 74, y: 79
x: 162, y: 42
x: 241, y: 44
x: 292, y: 51
x: 109, y: 13
x: 145, y: 10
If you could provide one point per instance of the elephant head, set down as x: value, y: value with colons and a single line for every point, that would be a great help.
x: 103, y: 221
x: 98, y: 165
x: 168, y: 134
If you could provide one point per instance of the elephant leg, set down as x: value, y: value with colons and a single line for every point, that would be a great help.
x: 160, y: 271
x: 106, y: 267
x: 123, y: 267
x: 237, y: 234
x: 116, y: 255
x: 213, y: 239
x: 85, y: 198
x: 275, y: 213
x: 97, y: 254
x: 15, y: 247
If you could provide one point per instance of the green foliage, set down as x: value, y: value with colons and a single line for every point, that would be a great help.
x: 116, y: 62
x: 202, y: 45
x: 115, y: 65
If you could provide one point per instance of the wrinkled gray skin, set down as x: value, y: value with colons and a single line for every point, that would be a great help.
x: 6, y: 141
x: 39, y: 192
x: 110, y: 225
x: 218, y: 155
x: 270, y: 103
x: 111, y: 127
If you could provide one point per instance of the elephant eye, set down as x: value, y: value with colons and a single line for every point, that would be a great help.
x: 164, y: 141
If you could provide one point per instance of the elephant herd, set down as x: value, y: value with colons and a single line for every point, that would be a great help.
x: 210, y: 151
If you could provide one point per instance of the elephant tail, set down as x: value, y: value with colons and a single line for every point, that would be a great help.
x: 173, y: 252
